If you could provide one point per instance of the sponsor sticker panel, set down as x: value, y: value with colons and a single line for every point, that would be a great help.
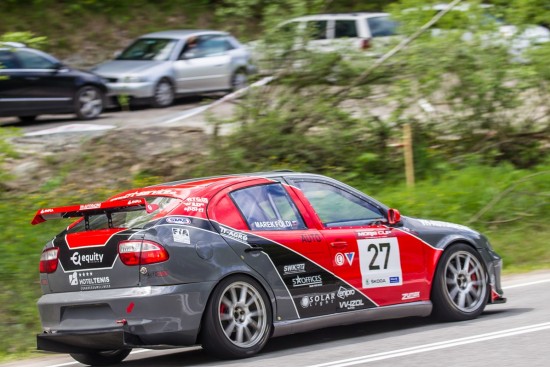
x: 380, y: 262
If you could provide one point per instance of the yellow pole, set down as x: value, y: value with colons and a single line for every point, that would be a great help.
x: 408, y: 152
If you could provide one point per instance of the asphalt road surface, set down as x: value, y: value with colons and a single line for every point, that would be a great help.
x: 516, y: 333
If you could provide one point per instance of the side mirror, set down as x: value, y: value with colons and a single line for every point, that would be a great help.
x: 394, y: 216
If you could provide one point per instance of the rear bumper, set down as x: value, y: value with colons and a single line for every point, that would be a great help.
x: 122, y: 318
x: 82, y: 342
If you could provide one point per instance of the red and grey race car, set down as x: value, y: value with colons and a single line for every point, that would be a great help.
x: 230, y: 261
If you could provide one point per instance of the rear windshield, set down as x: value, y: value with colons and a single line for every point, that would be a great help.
x: 149, y: 49
x: 382, y: 26
x: 133, y: 219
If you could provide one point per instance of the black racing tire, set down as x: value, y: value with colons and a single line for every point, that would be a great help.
x: 102, y: 358
x: 238, y: 319
x: 89, y: 102
x: 239, y: 80
x: 27, y: 119
x: 164, y: 94
x: 460, y: 289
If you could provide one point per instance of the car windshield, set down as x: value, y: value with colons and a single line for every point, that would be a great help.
x: 149, y: 49
x: 132, y: 219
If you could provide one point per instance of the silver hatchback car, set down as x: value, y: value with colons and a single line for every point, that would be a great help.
x: 160, y: 66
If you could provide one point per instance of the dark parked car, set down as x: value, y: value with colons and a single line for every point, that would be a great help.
x: 228, y: 262
x: 33, y: 83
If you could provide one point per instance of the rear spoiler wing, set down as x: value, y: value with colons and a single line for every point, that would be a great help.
x: 86, y: 210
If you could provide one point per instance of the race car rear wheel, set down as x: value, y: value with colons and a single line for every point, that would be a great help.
x: 238, y: 319
x: 460, y: 288
x: 102, y: 358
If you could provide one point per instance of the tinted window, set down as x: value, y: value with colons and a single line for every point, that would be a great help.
x: 317, y: 30
x: 337, y: 207
x: 149, y: 49
x: 382, y: 26
x: 345, y: 28
x: 7, y: 60
x: 267, y: 208
x: 30, y: 60
x: 132, y: 219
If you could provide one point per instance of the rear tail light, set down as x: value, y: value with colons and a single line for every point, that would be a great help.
x: 141, y: 252
x: 365, y: 44
x: 48, y: 260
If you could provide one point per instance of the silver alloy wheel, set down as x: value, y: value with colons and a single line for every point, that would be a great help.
x: 90, y: 103
x: 164, y: 94
x: 466, y: 285
x: 243, y: 314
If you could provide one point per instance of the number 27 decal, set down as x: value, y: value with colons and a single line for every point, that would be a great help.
x: 380, y: 263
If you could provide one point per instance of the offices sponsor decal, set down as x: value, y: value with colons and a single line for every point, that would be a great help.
x: 307, y: 281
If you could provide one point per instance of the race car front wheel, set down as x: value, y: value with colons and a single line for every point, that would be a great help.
x: 460, y: 287
x: 238, y: 319
x: 102, y: 358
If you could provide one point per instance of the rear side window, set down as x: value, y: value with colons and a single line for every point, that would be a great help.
x: 267, y: 208
x: 382, y: 26
x: 317, y: 29
x: 345, y: 28
x: 131, y: 219
x: 30, y: 60
x: 7, y: 60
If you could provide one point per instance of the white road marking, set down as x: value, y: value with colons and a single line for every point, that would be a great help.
x: 71, y: 128
x: 198, y: 110
x: 435, y: 346
x: 526, y: 284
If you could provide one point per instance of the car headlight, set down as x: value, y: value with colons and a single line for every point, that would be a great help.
x: 133, y: 79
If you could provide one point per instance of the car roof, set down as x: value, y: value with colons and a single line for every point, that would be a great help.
x: 338, y: 16
x: 182, y: 33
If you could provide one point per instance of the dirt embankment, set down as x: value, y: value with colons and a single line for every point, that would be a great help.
x: 113, y: 160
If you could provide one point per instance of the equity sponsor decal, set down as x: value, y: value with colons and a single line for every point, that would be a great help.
x: 93, y: 258
x: 317, y: 300
x: 178, y: 220
x: 307, y: 281
x: 90, y: 206
x: 87, y: 281
x: 344, y: 293
x: 239, y: 236
x: 294, y: 269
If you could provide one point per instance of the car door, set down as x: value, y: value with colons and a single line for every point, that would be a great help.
x: 281, y: 244
x: 205, y: 66
x: 48, y: 86
x: 319, y: 35
x: 386, y: 264
x: 11, y: 84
